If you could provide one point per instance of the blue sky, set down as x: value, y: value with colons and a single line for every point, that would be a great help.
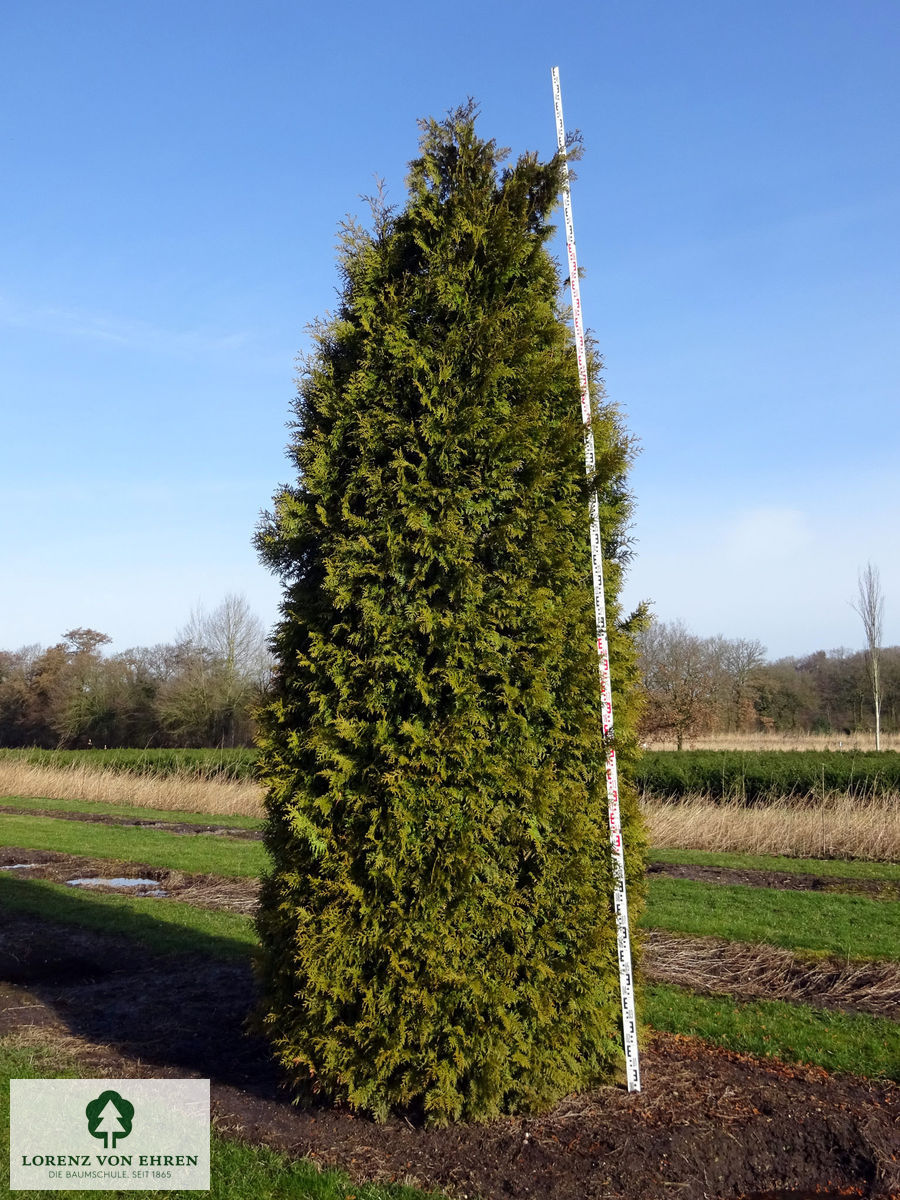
x: 174, y: 174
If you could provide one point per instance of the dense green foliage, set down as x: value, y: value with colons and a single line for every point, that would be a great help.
x: 438, y: 929
x: 238, y: 763
x: 767, y: 774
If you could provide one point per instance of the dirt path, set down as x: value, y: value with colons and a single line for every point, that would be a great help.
x: 708, y: 1124
x: 105, y: 819
x: 782, y: 880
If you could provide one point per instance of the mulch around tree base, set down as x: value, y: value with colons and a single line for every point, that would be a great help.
x: 708, y: 1124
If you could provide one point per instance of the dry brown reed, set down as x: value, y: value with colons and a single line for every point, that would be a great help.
x: 840, y: 826
x: 844, y: 826
x: 739, y: 969
x: 185, y: 791
x: 781, y: 741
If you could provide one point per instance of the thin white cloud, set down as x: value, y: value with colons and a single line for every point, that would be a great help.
x: 780, y: 573
x: 126, y: 332
x: 767, y: 535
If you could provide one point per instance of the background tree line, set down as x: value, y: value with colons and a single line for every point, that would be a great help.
x: 200, y: 690
x: 697, y: 685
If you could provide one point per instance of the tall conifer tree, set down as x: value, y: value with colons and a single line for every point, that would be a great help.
x: 437, y: 927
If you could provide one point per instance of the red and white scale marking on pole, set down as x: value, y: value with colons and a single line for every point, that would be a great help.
x: 620, y: 900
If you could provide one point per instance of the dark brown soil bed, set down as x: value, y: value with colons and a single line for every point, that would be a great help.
x: 882, y: 889
x: 204, y: 891
x: 708, y: 1124
x: 105, y: 819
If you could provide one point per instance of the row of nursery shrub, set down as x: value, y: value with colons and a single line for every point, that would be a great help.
x: 766, y: 774
x: 238, y: 763
x: 751, y: 775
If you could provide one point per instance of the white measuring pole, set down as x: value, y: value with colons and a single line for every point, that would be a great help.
x: 620, y: 900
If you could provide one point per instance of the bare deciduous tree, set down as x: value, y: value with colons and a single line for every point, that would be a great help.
x: 741, y: 658
x: 696, y: 684
x: 870, y: 606
x: 679, y: 671
x: 224, y: 666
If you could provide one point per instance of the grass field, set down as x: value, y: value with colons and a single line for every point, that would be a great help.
x: 173, y: 791
x: 232, y: 764
x: 750, y: 742
x: 794, y: 1032
x: 837, y: 1041
x: 131, y: 843
x: 825, y: 926
x: 855, y: 823
x: 163, y: 926
x: 849, y: 926
x: 105, y: 809
x: 758, y: 777
x: 835, y: 867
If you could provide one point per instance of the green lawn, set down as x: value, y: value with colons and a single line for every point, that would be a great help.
x: 197, y: 853
x: 237, y: 1172
x: 816, y: 922
x: 855, y: 926
x: 851, y: 1042
x: 162, y: 926
x: 837, y: 867
x: 792, y: 1032
x: 832, y: 923
x: 132, y: 810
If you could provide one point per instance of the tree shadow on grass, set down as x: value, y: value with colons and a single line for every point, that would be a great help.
x: 152, y: 979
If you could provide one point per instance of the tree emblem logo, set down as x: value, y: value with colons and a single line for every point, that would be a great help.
x: 109, y: 1116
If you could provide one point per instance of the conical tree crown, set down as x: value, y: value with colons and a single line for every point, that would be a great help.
x: 437, y: 927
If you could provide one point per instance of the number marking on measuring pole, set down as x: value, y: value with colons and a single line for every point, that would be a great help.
x: 620, y: 899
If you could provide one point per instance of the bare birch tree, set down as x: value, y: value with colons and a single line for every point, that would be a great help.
x: 870, y: 606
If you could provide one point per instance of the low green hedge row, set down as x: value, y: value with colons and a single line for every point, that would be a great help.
x: 750, y: 775
x: 757, y: 776
x: 212, y: 764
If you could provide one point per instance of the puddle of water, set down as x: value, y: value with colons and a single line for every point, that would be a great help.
x: 18, y: 866
x: 119, y: 882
